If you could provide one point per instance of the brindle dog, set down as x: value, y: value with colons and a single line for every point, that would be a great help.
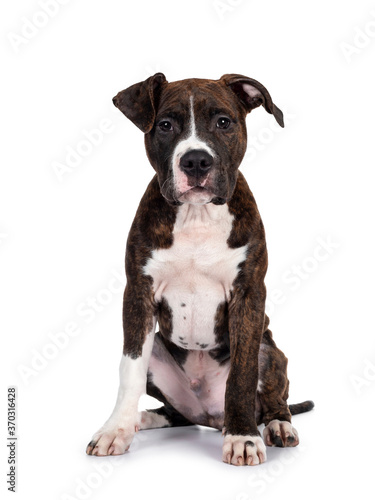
x: 195, y: 262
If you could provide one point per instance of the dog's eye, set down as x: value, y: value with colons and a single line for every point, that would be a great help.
x: 165, y: 126
x: 223, y: 122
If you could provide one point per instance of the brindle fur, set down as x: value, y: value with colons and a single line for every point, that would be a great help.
x: 241, y: 324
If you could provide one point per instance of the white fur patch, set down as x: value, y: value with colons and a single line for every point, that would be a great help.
x: 243, y: 450
x: 196, y: 274
x: 115, y: 436
x: 188, y: 144
x: 151, y: 420
x: 133, y: 374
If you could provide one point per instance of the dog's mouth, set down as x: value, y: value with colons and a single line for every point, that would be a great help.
x: 196, y: 194
x: 200, y: 195
x: 197, y: 189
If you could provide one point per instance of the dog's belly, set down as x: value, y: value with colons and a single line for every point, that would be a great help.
x: 196, y: 390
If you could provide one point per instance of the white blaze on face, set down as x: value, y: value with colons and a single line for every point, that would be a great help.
x: 190, y: 143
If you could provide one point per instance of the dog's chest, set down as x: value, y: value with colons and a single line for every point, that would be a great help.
x: 195, y: 275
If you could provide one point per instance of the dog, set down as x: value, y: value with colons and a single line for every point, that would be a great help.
x: 195, y: 263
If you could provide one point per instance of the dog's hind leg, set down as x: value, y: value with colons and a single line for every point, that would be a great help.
x: 272, y: 395
x: 166, y: 416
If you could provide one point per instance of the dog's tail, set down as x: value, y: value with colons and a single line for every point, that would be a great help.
x: 301, y: 407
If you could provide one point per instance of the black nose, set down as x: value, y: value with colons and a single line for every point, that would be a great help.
x: 196, y: 162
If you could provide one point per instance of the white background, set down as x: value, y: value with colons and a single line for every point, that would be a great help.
x: 61, y: 240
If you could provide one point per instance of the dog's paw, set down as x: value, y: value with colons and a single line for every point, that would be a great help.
x: 280, y: 433
x: 243, y: 450
x: 111, y: 440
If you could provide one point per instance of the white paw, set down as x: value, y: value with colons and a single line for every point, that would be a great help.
x: 243, y: 450
x: 151, y: 420
x: 112, y: 440
x: 280, y: 433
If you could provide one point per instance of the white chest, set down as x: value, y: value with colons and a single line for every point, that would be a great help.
x: 196, y: 274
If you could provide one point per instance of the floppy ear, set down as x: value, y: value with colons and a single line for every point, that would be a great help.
x: 252, y: 94
x: 138, y: 102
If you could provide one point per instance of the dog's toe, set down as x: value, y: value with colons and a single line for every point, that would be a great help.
x: 90, y: 447
x: 280, y: 433
x: 243, y: 450
x: 110, y: 442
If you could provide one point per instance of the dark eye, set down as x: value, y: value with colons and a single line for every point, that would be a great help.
x: 166, y: 126
x: 223, y: 122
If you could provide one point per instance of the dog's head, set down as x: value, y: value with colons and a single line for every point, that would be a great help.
x: 195, y: 131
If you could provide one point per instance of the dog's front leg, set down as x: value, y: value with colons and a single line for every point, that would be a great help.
x: 117, y: 433
x: 242, y: 442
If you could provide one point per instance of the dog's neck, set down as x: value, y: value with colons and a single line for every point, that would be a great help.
x: 193, y: 216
